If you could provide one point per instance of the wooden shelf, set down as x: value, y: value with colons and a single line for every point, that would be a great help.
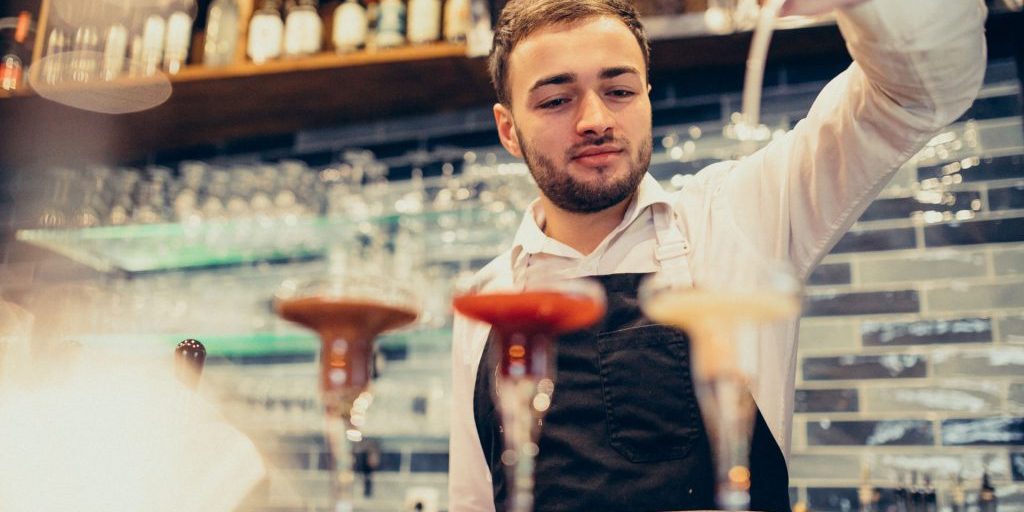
x: 212, y: 106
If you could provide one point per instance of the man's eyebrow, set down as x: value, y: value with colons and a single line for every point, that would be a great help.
x: 562, y: 78
x: 616, y: 71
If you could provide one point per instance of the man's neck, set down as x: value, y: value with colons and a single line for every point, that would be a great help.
x: 582, y: 231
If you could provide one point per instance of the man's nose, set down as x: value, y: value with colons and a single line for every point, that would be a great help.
x: 594, y: 116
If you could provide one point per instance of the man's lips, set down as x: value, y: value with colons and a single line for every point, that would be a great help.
x: 597, y: 156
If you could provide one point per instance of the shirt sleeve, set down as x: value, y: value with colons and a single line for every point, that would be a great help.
x: 918, y: 65
x: 469, y: 489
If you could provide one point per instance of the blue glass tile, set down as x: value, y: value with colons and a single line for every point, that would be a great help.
x: 861, y: 303
x: 904, y: 207
x: 394, y: 352
x: 876, y: 240
x: 990, y: 168
x: 890, y: 366
x: 830, y: 273
x: 429, y: 463
x: 962, y: 330
x: 993, y: 107
x: 975, y: 232
x: 1008, y: 198
x: 983, y: 431
x: 1017, y: 466
x: 826, y: 400
x: 870, y: 433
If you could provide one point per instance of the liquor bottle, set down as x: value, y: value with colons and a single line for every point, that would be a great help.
x: 350, y: 27
x: 958, y: 499
x: 15, y: 55
x: 221, y: 33
x: 266, y: 31
x: 179, y: 38
x: 456, y: 20
x: 987, y: 495
x: 916, y: 494
x: 153, y: 37
x: 931, y: 502
x: 865, y: 493
x: 424, y: 22
x: 302, y: 29
x: 84, y: 65
x: 391, y: 24
x: 901, y: 495
x: 115, y: 50
x: 189, y: 358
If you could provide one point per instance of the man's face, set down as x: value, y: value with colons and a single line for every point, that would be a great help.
x: 580, y: 115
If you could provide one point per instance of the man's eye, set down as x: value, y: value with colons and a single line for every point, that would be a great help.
x: 622, y: 93
x: 557, y: 102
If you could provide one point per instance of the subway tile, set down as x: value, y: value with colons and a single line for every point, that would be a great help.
x: 826, y: 400
x: 933, y: 264
x: 687, y: 114
x: 995, y: 361
x: 966, y: 397
x: 1009, y: 262
x: 819, y: 466
x: 989, y: 168
x: 876, y: 240
x: 962, y: 296
x: 1011, y: 328
x: 996, y: 231
x: 827, y: 335
x: 890, y: 467
x: 1007, y: 198
x: 832, y: 499
x: 993, y: 107
x: 890, y: 366
x: 861, y: 303
x: 961, y: 330
x: 429, y: 463
x: 870, y: 433
x: 1017, y: 466
x: 830, y: 273
x: 905, y: 207
x: 983, y: 431
x: 1015, y: 397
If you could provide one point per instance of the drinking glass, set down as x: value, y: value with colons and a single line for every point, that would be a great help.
x: 348, y: 313
x: 525, y: 324
x: 729, y: 320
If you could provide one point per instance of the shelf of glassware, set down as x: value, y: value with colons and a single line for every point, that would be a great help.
x: 447, y: 235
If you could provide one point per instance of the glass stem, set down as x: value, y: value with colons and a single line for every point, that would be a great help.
x: 343, y: 463
x: 521, y: 433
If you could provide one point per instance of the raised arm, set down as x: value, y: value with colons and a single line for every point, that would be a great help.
x: 918, y: 65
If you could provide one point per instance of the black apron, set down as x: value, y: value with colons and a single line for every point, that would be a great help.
x: 624, y: 431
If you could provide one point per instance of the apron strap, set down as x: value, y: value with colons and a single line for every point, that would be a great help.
x: 672, y: 247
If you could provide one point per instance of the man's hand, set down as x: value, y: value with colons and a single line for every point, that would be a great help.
x: 812, y: 7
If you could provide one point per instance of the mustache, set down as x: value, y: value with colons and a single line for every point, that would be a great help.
x: 596, y: 141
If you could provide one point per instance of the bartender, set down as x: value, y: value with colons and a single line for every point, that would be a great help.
x: 571, y: 78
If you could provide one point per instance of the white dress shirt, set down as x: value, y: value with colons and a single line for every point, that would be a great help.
x: 918, y: 66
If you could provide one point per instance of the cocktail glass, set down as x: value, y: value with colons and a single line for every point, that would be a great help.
x: 727, y: 321
x: 348, y: 313
x: 526, y: 324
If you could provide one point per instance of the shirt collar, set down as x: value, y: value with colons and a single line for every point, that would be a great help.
x: 530, y: 238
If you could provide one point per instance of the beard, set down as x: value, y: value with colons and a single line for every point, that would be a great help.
x: 573, y: 195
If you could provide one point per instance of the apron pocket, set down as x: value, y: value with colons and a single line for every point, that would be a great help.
x: 648, y: 393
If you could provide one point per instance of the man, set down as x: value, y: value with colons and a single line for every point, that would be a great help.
x: 571, y: 80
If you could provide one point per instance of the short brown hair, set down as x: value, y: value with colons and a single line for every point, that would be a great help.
x: 520, y: 18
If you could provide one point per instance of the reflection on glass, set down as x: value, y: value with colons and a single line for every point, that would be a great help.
x: 525, y: 325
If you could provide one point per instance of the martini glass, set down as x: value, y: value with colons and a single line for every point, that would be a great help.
x: 726, y: 320
x: 348, y: 313
x: 526, y: 324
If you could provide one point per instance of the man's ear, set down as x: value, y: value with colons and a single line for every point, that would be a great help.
x: 507, y: 130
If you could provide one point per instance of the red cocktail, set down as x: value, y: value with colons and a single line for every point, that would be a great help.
x: 525, y: 326
x: 348, y: 315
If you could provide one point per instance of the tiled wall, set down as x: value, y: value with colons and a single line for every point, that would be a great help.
x: 911, y: 350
